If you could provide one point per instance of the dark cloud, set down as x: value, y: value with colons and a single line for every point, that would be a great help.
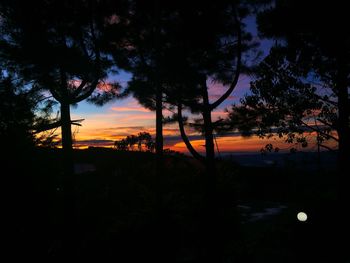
x: 124, y: 128
x: 169, y: 140
x: 94, y: 142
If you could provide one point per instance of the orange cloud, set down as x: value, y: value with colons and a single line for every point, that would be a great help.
x: 133, y: 118
x: 130, y: 109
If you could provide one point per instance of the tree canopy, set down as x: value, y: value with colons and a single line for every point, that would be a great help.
x: 303, y: 83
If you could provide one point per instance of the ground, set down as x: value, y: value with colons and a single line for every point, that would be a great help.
x: 117, y: 216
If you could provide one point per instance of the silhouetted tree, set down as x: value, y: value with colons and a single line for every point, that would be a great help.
x: 26, y: 111
x: 188, y: 45
x: 322, y: 52
x: 192, y: 51
x: 143, y: 44
x: 121, y: 145
x: 20, y: 111
x: 57, y: 46
x: 141, y: 139
x: 145, y: 138
x: 214, y: 54
x: 284, y: 101
x: 307, y: 74
x: 16, y: 116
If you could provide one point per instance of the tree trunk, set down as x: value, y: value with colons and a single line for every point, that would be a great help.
x: 210, y: 214
x: 209, y: 141
x: 159, y: 244
x: 67, y: 147
x: 66, y: 130
x: 343, y: 154
x: 184, y: 137
x: 343, y: 123
x: 159, y: 122
x: 69, y: 225
x: 67, y: 142
x: 159, y: 151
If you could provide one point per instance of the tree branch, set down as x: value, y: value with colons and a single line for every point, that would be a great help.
x: 326, y: 123
x: 87, y: 93
x: 326, y: 147
x: 334, y: 103
x: 184, y: 137
x: 79, y: 89
x: 89, y: 90
x: 50, y: 126
x: 320, y: 131
x: 56, y: 95
x: 238, y: 67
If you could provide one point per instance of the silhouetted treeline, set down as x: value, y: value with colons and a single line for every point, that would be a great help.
x: 143, y: 140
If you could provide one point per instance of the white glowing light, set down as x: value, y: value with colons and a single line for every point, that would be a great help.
x: 302, y: 216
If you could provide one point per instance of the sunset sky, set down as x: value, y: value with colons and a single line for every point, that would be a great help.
x: 115, y: 120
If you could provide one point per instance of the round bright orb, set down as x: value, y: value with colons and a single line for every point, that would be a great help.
x: 302, y: 216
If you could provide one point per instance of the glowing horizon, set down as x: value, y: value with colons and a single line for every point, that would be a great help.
x: 102, y: 126
x: 98, y: 131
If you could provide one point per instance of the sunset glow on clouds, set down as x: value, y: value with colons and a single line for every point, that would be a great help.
x: 102, y: 126
x: 130, y: 109
x: 226, y: 144
x: 239, y: 144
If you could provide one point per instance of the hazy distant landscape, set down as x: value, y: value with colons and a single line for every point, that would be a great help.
x: 300, y: 160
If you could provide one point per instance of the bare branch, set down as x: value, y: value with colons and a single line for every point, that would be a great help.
x: 238, y: 67
x: 54, y: 125
x: 184, y: 137
x: 79, y: 89
x: 326, y: 123
x: 326, y: 147
x: 334, y: 103
x: 87, y: 93
x: 320, y: 131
